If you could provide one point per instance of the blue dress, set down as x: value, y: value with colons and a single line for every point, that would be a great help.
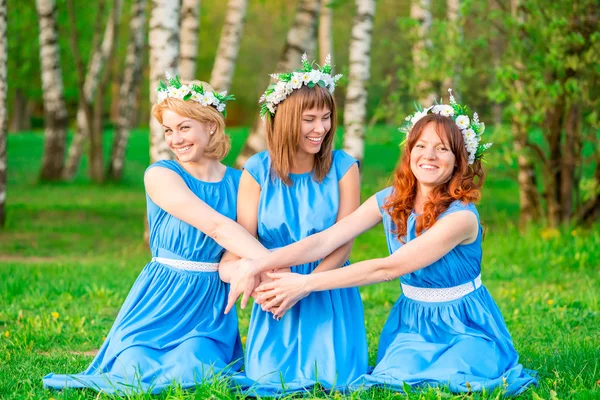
x: 463, y: 343
x: 171, y: 328
x: 322, y: 338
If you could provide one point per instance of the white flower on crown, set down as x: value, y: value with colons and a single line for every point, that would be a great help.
x: 161, y: 96
x: 296, y: 81
x: 462, y: 121
x: 417, y: 117
x: 315, y: 76
x: 472, y: 146
x: 281, y: 86
x: 305, y: 77
x: 469, y: 134
x: 220, y: 107
x: 444, y: 110
x: 181, y: 92
x: 207, y: 99
x: 328, y: 81
x: 196, y: 97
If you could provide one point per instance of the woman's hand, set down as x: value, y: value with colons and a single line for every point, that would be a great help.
x: 264, y: 279
x: 283, y: 293
x: 244, y: 280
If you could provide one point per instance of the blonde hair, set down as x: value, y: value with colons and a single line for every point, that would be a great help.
x: 283, y: 132
x: 219, y: 143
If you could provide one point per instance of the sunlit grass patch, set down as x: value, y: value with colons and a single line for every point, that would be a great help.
x: 71, y: 252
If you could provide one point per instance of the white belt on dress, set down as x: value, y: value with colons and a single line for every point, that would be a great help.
x: 439, y: 295
x: 188, y: 265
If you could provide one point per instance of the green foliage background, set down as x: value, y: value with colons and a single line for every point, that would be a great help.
x: 264, y: 34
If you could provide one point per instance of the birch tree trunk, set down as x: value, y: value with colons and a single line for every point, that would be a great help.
x: 420, y: 10
x: 21, y: 112
x: 96, y: 151
x: 164, y: 56
x: 92, y: 79
x: 325, y: 31
x: 128, y: 99
x: 360, y: 62
x: 222, y: 72
x: 3, y: 110
x: 455, y: 33
x: 190, y: 25
x: 55, y: 112
x: 301, y: 38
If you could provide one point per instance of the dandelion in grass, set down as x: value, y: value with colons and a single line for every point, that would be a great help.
x: 550, y: 302
x: 6, y: 333
x: 55, y: 315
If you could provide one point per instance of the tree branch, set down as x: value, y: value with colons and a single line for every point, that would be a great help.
x: 539, y: 152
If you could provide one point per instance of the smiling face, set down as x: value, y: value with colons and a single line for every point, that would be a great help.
x: 431, y: 160
x: 314, y: 126
x: 186, y: 137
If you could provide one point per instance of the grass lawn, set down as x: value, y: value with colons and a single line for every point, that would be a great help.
x: 71, y: 251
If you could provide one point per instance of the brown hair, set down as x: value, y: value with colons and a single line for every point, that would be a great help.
x: 464, y: 184
x: 283, y: 131
x: 219, y: 143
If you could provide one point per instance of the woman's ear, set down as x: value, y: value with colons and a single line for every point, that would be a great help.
x: 212, y: 126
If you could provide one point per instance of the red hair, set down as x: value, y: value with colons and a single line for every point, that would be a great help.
x: 464, y: 184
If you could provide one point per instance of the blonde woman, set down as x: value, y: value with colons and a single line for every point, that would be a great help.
x: 171, y: 328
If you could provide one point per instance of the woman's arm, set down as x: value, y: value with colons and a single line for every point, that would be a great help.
x: 312, y: 248
x: 349, y: 201
x: 458, y: 228
x: 168, y: 191
x: 243, y: 279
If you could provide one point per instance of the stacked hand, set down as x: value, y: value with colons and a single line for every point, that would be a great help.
x: 275, y: 291
x: 282, y: 293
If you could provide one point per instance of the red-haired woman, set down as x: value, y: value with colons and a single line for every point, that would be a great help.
x: 445, y: 328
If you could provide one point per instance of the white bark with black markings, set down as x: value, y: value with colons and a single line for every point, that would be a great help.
x: 92, y: 79
x: 188, y: 51
x: 420, y: 10
x: 229, y: 44
x: 164, y: 56
x: 355, y: 110
x: 55, y: 112
x: 128, y: 93
x: 301, y: 38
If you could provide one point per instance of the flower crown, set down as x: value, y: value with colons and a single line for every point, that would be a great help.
x: 471, y: 129
x: 194, y: 92
x: 288, y: 81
